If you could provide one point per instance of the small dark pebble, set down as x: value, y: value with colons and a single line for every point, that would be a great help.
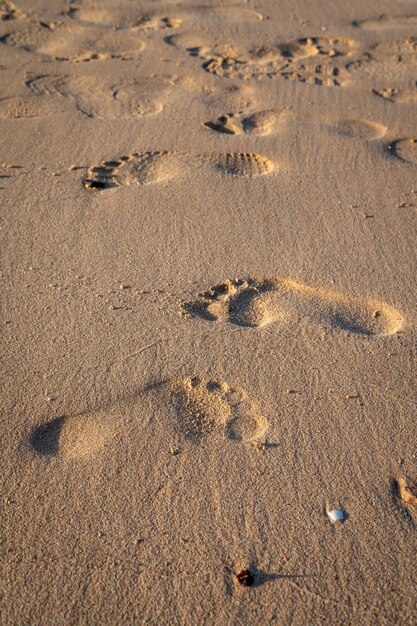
x: 245, y: 578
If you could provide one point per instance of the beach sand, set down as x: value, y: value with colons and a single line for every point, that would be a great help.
x: 209, y: 277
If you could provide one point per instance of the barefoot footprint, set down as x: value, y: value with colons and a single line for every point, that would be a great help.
x: 149, y: 167
x: 209, y: 407
x: 257, y: 303
x: 256, y: 123
x: 197, y: 408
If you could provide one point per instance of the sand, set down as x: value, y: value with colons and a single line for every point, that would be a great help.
x: 208, y: 262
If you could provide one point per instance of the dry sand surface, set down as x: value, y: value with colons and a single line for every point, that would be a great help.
x: 209, y: 272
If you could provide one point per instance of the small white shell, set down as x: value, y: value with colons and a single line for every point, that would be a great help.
x: 337, y: 515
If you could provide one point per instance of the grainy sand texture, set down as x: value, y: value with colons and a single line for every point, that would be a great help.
x: 208, y: 220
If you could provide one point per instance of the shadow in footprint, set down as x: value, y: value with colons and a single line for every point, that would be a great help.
x: 404, y: 149
x: 45, y: 438
x: 340, y: 322
x: 74, y: 436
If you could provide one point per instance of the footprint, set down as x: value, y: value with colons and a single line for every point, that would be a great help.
x: 257, y: 123
x: 400, y: 96
x: 137, y: 98
x: 96, y: 98
x: 317, y: 60
x: 255, y: 304
x: 388, y: 62
x: 361, y: 129
x: 121, y: 17
x: 286, y: 59
x: 405, y: 150
x: 149, y: 167
x: 203, y: 408
x: 383, y: 22
x: 65, y: 41
x: 96, y: 15
x: 317, y: 74
x: 156, y: 23
x: 73, y: 437
x: 24, y: 106
x: 9, y: 11
x: 406, y: 490
x: 306, y: 47
x: 59, y: 85
x: 218, y: 14
x: 125, y: 16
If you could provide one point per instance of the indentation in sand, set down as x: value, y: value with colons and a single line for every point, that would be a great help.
x: 257, y: 303
x: 313, y: 73
x: 9, y: 11
x: 405, y: 150
x: 361, y: 129
x: 156, y: 23
x: 401, y: 96
x: 96, y: 14
x: 384, y: 63
x: 75, y: 42
x: 74, y: 436
x: 223, y: 13
x: 149, y: 167
x: 384, y: 22
x: 205, y: 407
x: 290, y: 60
x: 121, y: 17
x: 256, y: 123
x: 307, y: 47
x: 24, y: 106
x: 94, y: 97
